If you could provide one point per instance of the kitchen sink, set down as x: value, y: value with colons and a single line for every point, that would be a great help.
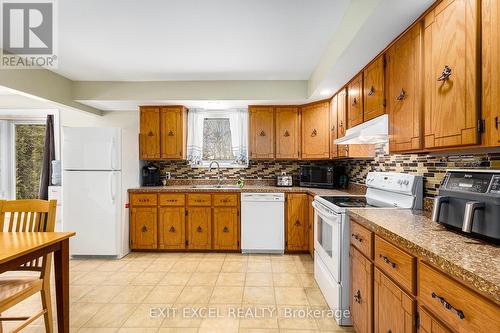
x: 228, y: 186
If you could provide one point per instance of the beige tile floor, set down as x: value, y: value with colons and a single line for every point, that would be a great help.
x: 192, y: 292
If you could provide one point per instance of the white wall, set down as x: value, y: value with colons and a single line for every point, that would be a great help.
x: 129, y: 123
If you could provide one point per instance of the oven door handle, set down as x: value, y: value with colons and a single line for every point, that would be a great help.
x: 326, y: 215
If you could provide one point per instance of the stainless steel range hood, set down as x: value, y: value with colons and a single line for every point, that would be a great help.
x: 370, y: 132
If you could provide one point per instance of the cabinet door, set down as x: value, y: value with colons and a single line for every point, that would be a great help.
x: 310, y: 221
x: 297, y: 215
x: 450, y: 74
x: 355, y: 101
x: 199, y: 228
x: 394, y: 310
x: 143, y: 233
x: 333, y: 127
x: 343, y: 150
x: 404, y: 92
x: 429, y: 324
x: 173, y: 132
x: 316, y: 131
x: 226, y: 228
x: 361, y: 291
x: 287, y: 133
x: 261, y: 132
x: 171, y: 232
x: 149, y: 136
x: 374, y: 89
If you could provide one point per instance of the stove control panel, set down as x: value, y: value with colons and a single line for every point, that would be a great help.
x: 392, y: 181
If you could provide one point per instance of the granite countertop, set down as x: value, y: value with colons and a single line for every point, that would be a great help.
x: 246, y: 188
x: 471, y: 261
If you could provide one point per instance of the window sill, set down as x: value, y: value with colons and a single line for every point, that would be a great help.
x: 223, y: 165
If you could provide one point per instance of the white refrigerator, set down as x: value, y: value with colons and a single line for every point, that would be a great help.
x: 92, y: 177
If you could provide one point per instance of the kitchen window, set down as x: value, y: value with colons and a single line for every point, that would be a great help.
x: 218, y: 135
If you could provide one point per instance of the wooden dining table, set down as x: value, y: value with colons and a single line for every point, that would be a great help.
x: 17, y: 248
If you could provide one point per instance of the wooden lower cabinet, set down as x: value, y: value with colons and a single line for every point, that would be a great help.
x: 361, y: 270
x: 171, y: 228
x: 199, y: 228
x: 310, y: 199
x: 429, y: 324
x: 143, y: 224
x: 226, y: 228
x: 394, y: 310
x: 297, y: 214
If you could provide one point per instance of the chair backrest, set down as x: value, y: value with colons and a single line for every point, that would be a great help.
x: 29, y: 216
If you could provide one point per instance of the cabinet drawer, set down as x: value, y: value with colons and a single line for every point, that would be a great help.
x: 199, y: 200
x: 225, y: 199
x: 143, y: 199
x: 395, y: 263
x: 172, y: 199
x: 362, y: 239
x: 454, y: 304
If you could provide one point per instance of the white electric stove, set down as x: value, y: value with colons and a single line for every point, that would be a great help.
x: 331, y: 232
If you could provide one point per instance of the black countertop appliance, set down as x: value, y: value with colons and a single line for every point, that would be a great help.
x: 150, y: 175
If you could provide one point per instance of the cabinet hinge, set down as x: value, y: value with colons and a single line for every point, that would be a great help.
x: 186, y: 212
x: 187, y: 243
x: 384, y: 61
x: 385, y: 102
x: 417, y: 321
x: 481, y: 124
x: 497, y: 122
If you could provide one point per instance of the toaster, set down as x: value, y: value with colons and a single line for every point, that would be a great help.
x: 284, y: 180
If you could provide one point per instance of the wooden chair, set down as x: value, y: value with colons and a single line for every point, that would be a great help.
x: 28, y: 216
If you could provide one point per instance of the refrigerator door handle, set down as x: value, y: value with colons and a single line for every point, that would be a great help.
x: 112, y: 154
x: 112, y: 186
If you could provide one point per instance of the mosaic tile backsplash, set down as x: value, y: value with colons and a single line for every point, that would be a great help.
x: 431, y: 167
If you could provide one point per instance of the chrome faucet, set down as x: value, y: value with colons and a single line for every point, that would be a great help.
x: 219, y: 176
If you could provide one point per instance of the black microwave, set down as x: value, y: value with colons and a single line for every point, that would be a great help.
x: 319, y: 176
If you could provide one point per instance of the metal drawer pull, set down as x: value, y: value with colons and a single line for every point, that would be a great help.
x: 357, y: 237
x: 314, y: 132
x: 402, y: 95
x: 144, y: 228
x: 448, y: 306
x: 172, y: 229
x: 262, y: 133
x: 199, y: 229
x: 357, y: 297
x: 226, y: 229
x: 372, y: 91
x: 388, y: 261
x: 170, y: 133
x: 445, y: 75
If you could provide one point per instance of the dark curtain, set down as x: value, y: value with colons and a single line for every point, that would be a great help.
x: 49, y: 154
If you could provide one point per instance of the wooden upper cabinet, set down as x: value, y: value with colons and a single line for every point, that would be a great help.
x: 374, y: 89
x: 173, y: 121
x: 394, y: 310
x: 355, y: 101
x: 404, y: 92
x: 342, y: 150
x: 450, y: 74
x: 316, y: 131
x: 261, y: 132
x: 333, y: 127
x: 149, y: 133
x: 491, y: 70
x: 361, y: 291
x: 297, y: 214
x: 287, y: 132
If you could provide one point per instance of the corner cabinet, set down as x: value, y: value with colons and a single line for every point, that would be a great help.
x: 287, y: 133
x: 404, y: 66
x: 316, y: 131
x: 374, y: 89
x: 355, y: 101
x: 261, y: 132
x: 451, y: 74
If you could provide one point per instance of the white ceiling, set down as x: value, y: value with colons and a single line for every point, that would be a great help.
x: 194, y: 40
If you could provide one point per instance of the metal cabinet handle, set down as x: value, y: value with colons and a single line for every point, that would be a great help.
x: 445, y: 75
x: 436, y: 209
x: 448, y: 306
x: 150, y: 133
x: 199, y: 229
x: 226, y: 229
x: 372, y: 91
x: 286, y: 134
x: 262, y: 133
x: 354, y: 101
x: 357, y: 237
x: 401, y: 96
x: 357, y: 297
x: 470, y: 209
x: 333, y: 128
x: 144, y: 228
x: 170, y: 133
x: 388, y: 261
x: 172, y: 229
x: 297, y: 223
x: 314, y: 132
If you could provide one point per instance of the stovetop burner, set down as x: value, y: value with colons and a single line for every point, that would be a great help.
x: 347, y: 201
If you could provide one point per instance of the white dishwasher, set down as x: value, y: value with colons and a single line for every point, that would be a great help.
x: 263, y: 223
